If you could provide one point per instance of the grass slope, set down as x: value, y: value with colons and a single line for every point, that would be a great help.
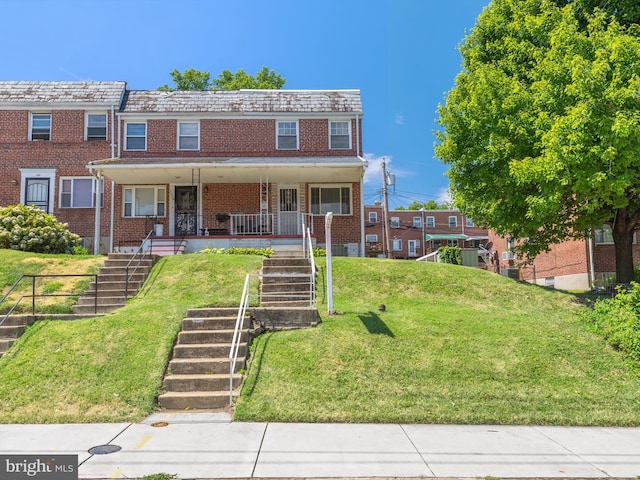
x: 455, y: 345
x: 110, y: 369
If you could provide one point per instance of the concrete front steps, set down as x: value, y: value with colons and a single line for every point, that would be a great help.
x: 14, y: 326
x: 198, y: 373
x: 287, y: 282
x: 11, y: 329
x: 112, y: 285
x: 164, y: 246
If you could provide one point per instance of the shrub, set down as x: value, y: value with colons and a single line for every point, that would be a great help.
x: 319, y: 252
x: 265, y: 252
x: 617, y: 319
x: 27, y: 228
x: 451, y: 255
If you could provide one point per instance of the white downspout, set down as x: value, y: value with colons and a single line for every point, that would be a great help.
x: 357, y: 135
x: 96, y: 238
x: 362, y: 234
x: 113, y: 184
x: 592, y: 268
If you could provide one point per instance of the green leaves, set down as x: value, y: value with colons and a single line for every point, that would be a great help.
x: 542, y: 124
x: 192, y: 79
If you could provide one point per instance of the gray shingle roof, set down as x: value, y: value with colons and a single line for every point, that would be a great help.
x: 244, y: 101
x: 61, y: 93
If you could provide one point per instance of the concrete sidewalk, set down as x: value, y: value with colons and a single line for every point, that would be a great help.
x: 206, y: 445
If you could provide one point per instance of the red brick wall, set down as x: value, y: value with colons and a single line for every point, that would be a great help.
x: 66, y: 151
x: 237, y: 138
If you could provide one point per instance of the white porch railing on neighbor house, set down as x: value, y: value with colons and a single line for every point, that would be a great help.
x: 251, y: 224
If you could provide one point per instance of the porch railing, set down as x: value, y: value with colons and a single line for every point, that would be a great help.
x: 251, y: 224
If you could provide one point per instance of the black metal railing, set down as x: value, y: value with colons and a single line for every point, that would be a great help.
x: 33, y: 295
x: 142, y: 252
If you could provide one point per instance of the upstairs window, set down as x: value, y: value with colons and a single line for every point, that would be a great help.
x: 373, y: 217
x: 395, y: 222
x: 340, y: 135
x: 96, y: 126
x: 136, y: 136
x: 470, y: 222
x: 453, y: 222
x: 41, y: 126
x: 287, y: 136
x: 417, y: 222
x: 431, y: 222
x: 188, y: 136
x: 79, y: 192
x: 331, y: 199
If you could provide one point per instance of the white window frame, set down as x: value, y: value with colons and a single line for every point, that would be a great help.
x: 604, y: 236
x: 470, y: 222
x: 48, y: 173
x: 32, y: 128
x: 452, y: 243
x: 430, y: 222
x: 417, y: 222
x: 373, y: 217
x: 127, y: 136
x: 287, y: 134
x: 330, y: 186
x: 179, y: 137
x: 87, y: 126
x: 70, y: 194
x: 371, y: 238
x: 413, y: 252
x: 396, y: 245
x: 395, y: 222
x: 342, y: 134
x: 453, y: 221
x: 159, y: 198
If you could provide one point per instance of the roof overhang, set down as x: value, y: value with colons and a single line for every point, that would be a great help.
x: 231, y: 170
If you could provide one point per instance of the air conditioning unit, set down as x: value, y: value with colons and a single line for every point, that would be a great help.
x: 508, y: 256
x: 513, y: 273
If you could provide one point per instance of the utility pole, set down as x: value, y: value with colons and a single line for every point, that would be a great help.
x: 385, y: 211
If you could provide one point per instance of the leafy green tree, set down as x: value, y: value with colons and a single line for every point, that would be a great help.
x: 540, y: 130
x: 265, y: 79
x: 192, y: 79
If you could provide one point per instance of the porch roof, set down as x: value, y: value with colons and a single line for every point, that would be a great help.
x: 231, y: 169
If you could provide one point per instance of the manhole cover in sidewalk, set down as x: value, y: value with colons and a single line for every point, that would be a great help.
x: 104, y: 449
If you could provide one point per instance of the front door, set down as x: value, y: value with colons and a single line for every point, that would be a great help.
x: 37, y: 193
x: 186, y: 210
x: 288, y: 213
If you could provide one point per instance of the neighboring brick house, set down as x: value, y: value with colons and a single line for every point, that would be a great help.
x: 415, y: 233
x: 219, y: 168
x: 570, y: 265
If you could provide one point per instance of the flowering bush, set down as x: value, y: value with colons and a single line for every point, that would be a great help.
x: 27, y: 228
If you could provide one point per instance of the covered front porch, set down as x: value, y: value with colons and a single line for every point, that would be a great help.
x: 220, y: 203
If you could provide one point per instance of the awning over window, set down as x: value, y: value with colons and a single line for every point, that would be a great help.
x: 446, y: 236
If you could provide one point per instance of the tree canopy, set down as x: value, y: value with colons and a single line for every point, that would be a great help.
x: 430, y: 205
x: 192, y: 79
x: 540, y: 130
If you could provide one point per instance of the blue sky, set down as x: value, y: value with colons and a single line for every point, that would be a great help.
x: 401, y: 55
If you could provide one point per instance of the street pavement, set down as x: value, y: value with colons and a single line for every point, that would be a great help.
x: 210, y: 445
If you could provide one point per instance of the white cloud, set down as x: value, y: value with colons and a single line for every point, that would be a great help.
x: 399, y: 119
x: 373, y: 173
x: 444, y: 195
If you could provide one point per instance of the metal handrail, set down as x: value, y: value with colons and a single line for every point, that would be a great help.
x: 237, y: 333
x: 144, y: 254
x: 245, y: 301
x: 33, y: 295
x: 312, y: 292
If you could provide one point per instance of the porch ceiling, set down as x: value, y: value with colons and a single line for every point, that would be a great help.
x: 231, y: 170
